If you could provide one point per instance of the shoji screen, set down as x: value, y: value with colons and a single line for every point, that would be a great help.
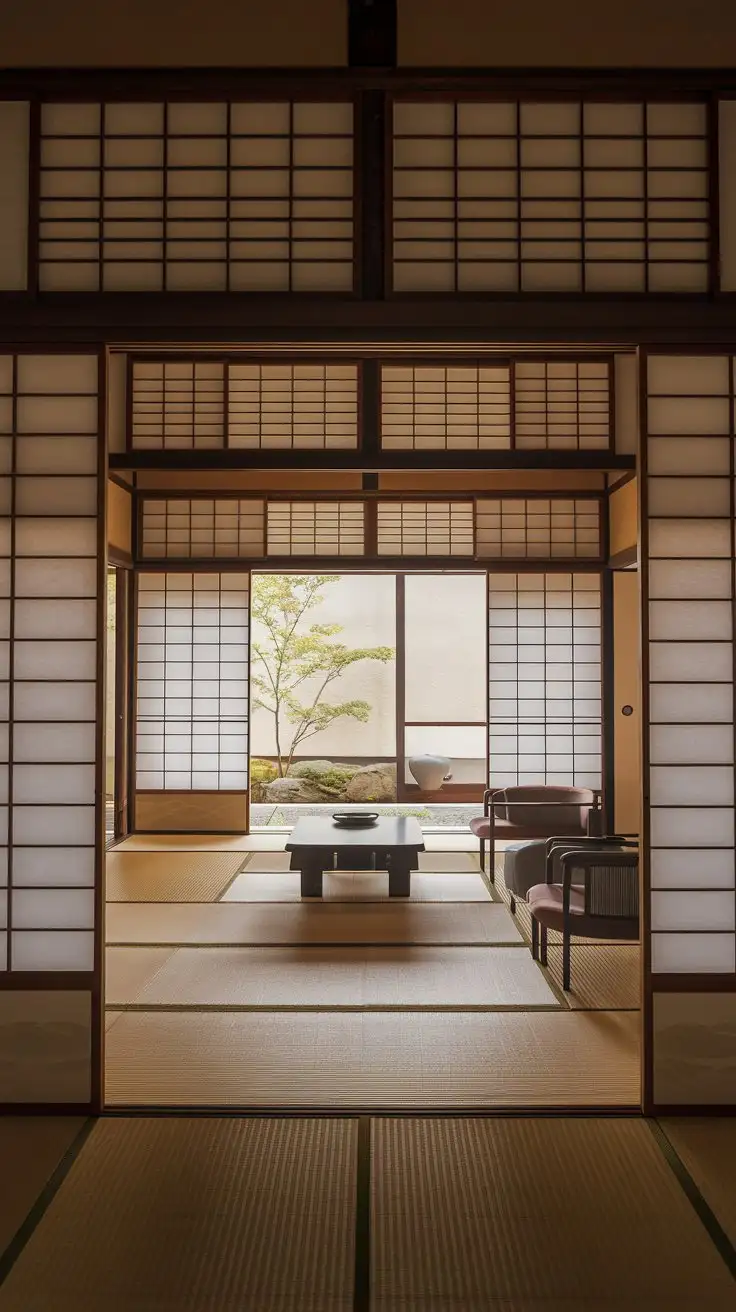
x: 544, y: 645
x: 690, y: 586
x: 192, y: 681
x: 51, y: 567
x: 556, y: 405
x: 532, y: 197
x: 196, y: 197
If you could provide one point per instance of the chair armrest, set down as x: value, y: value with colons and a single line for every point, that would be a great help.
x: 488, y: 793
x: 576, y: 843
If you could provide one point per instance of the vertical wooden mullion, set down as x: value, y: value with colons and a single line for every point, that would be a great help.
x: 400, y: 687
x: 486, y: 575
x: 291, y: 195
x: 132, y: 707
x: 11, y: 657
x: 645, y: 148
x: 228, y: 195
x: 608, y: 705
x: 165, y: 200
x: 714, y: 208
x: 33, y: 252
x: 370, y: 527
x: 732, y: 486
x: 512, y: 404
x: 248, y: 713
x: 581, y: 174
x: 226, y: 383
x: 372, y: 195
x: 369, y: 403
x: 455, y: 201
x: 101, y: 202
x: 647, y: 1058
x: 97, y: 1000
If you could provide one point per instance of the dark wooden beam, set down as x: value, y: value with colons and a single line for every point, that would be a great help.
x: 372, y: 33
x: 409, y: 461
x: 142, y: 319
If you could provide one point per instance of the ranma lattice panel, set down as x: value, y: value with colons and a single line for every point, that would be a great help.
x: 244, y: 405
x: 250, y: 196
x: 558, y: 405
x: 561, y: 197
x: 539, y: 527
x: 425, y: 528
x: 179, y: 528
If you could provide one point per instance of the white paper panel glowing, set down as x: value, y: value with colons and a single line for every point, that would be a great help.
x: 197, y: 197
x: 202, y: 529
x: 192, y: 707
x: 563, y: 197
x: 690, y: 619
x: 544, y: 679
x: 50, y: 617
x: 540, y: 528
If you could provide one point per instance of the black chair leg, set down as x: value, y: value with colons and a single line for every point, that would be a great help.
x: 543, y: 946
x: 492, y: 866
x: 535, y: 938
x: 566, y: 963
x: 512, y: 905
x: 482, y: 853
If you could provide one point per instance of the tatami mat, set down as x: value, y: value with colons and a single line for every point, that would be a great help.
x: 707, y: 1148
x: 531, y: 1214
x: 200, y: 1214
x: 169, y: 876
x: 128, y: 970
x: 469, y: 1059
x: 363, y: 886
x: 603, y: 976
x: 345, y: 977
x: 263, y: 924
x: 202, y: 843
x: 31, y: 1148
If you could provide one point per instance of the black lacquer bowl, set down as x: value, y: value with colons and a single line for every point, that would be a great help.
x: 355, y: 819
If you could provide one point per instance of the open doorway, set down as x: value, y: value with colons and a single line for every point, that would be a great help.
x: 225, y: 987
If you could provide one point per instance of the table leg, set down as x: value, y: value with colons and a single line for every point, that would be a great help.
x: 311, y: 877
x: 399, y: 875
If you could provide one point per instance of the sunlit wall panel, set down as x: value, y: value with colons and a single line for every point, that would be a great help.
x: 192, y: 682
x: 544, y: 687
x: 688, y: 501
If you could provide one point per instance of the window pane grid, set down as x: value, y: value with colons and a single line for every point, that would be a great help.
x: 545, y: 716
x: 192, y: 682
x: 197, y: 197
x: 526, y: 197
x: 48, y: 654
x: 690, y: 574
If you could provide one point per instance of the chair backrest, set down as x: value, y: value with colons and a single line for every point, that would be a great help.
x: 556, y: 807
x: 611, y: 882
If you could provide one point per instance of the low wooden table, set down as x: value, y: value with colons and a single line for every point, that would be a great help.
x: 393, y: 843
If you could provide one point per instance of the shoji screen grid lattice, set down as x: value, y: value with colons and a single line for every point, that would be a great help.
x: 544, y: 688
x: 484, y: 528
x: 196, y: 197
x: 562, y: 405
x: 51, y: 630
x: 563, y: 197
x: 203, y: 404
x: 690, y: 642
x: 192, y: 682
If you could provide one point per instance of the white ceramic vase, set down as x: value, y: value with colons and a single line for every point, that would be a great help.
x: 429, y: 771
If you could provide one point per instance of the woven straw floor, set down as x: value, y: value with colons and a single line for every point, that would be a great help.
x: 169, y: 876
x: 296, y: 978
x: 373, y: 1059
